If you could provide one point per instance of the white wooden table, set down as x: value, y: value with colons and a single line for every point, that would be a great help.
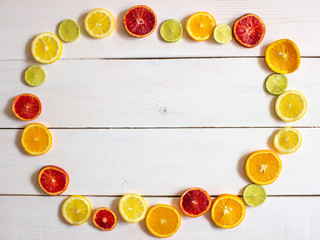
x: 145, y: 116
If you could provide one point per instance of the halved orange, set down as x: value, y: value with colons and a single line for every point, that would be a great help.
x: 228, y: 211
x: 195, y: 202
x: 200, y: 25
x: 26, y: 107
x: 283, y: 56
x: 263, y: 167
x: 36, y: 139
x: 53, y: 180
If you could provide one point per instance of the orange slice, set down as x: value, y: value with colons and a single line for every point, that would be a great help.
x: 163, y: 220
x: 283, y: 56
x: 263, y: 167
x: 200, y: 25
x: 195, y: 202
x: 26, y: 107
x: 36, y: 139
x: 53, y: 180
x: 228, y: 211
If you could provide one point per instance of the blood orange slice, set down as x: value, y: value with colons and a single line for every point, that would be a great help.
x: 26, y: 107
x: 140, y: 21
x: 53, y: 180
x: 195, y: 202
x: 249, y: 30
x: 104, y: 219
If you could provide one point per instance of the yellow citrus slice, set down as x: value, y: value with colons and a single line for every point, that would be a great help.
x: 99, y: 23
x: 200, y: 25
x: 76, y: 209
x: 46, y: 48
x: 36, y: 139
x: 163, y: 220
x: 287, y: 140
x: 291, y: 106
x: 133, y: 208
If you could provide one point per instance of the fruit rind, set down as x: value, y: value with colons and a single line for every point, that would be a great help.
x: 105, y: 12
x: 247, y: 189
x: 114, y: 215
x: 65, y: 204
x: 26, y: 94
x: 279, y: 148
x: 141, y: 199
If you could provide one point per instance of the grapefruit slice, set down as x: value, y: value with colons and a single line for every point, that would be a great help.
x: 26, y: 107
x: 104, y: 219
x: 195, y: 202
x: 249, y: 30
x: 140, y: 21
x: 53, y: 180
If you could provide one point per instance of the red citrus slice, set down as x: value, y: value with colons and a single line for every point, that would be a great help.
x: 104, y: 219
x: 53, y: 180
x: 26, y: 107
x: 249, y: 30
x: 195, y: 202
x: 140, y: 21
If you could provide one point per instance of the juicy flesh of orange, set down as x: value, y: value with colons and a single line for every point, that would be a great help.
x: 201, y: 26
x: 163, y: 221
x: 36, y: 139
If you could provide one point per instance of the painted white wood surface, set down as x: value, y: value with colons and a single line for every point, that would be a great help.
x: 157, y: 161
x: 134, y: 93
x: 20, y: 21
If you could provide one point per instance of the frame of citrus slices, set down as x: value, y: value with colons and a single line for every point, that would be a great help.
x: 262, y: 167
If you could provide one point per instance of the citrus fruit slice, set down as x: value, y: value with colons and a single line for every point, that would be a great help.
x: 36, y: 139
x: 200, y: 25
x: 99, y: 23
x: 104, y: 219
x: 291, y: 106
x: 163, y: 220
x: 263, y: 167
x: 53, y: 180
x: 254, y: 195
x: 283, y: 56
x: 35, y: 75
x: 171, y: 30
x: 69, y: 30
x: 26, y: 107
x: 249, y: 30
x: 46, y: 48
x: 276, y: 83
x: 133, y: 208
x: 140, y: 21
x: 76, y: 209
x: 287, y: 140
x: 195, y: 202
x: 222, y: 33
x: 228, y: 211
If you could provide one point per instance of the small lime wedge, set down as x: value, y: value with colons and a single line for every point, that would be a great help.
x: 222, y: 33
x: 171, y: 30
x: 35, y: 75
x: 69, y: 30
x: 276, y: 83
x: 254, y: 195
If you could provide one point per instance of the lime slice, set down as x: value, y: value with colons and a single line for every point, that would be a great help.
x: 171, y: 30
x: 254, y: 195
x: 35, y: 75
x: 222, y: 33
x: 69, y: 30
x: 276, y: 83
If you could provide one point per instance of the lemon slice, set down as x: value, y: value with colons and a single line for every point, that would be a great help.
x: 287, y: 140
x: 99, y: 23
x: 133, y: 208
x: 76, y: 209
x: 222, y: 33
x: 46, y: 48
x: 69, y: 30
x: 291, y: 106
x: 276, y: 83
x: 254, y: 195
x: 171, y: 30
x: 35, y: 75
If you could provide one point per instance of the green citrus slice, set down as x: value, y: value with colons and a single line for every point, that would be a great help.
x: 35, y: 75
x: 171, y: 30
x: 276, y: 83
x: 69, y: 30
x: 254, y: 195
x: 222, y: 33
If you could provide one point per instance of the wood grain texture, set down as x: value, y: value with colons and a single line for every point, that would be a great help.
x: 20, y: 23
x: 157, y: 161
x: 158, y: 93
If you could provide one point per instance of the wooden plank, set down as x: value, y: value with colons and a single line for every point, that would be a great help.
x: 19, y: 23
x: 158, y: 93
x: 157, y: 161
x: 39, y: 217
